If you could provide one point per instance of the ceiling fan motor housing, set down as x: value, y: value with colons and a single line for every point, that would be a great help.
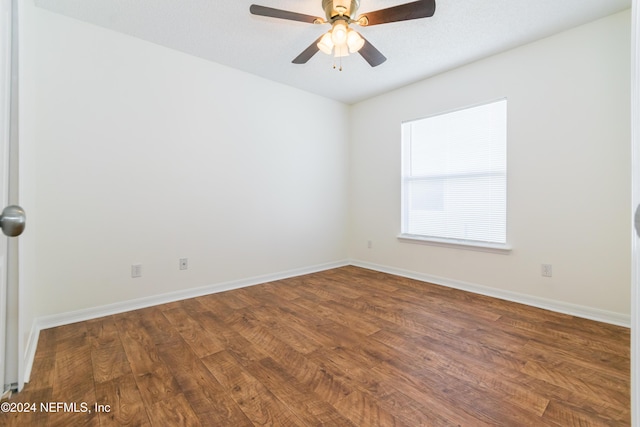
x: 336, y: 8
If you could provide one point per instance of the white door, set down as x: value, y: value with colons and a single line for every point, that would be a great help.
x: 12, y: 215
x: 635, y: 197
x: 5, y: 120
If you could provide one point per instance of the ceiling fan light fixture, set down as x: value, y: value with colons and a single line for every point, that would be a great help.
x: 339, y: 33
x: 341, y: 40
x: 354, y: 41
x: 326, y: 44
x: 340, y: 51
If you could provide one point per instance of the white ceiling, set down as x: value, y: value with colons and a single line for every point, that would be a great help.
x: 223, y: 31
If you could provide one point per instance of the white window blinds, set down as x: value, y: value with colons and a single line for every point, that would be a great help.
x: 454, y: 175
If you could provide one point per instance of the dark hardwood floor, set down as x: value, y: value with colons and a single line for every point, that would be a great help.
x: 344, y: 347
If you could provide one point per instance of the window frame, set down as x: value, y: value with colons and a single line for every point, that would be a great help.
x: 501, y: 248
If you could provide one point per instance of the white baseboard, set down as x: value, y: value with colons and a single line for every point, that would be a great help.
x: 547, y: 304
x: 30, y: 352
x: 46, y: 322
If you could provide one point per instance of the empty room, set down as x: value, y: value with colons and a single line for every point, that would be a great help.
x: 340, y: 213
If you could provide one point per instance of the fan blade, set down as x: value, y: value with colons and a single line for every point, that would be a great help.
x: 282, y: 14
x: 372, y: 55
x: 403, y: 12
x: 308, y: 53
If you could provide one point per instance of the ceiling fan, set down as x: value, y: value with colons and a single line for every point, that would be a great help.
x: 342, y: 40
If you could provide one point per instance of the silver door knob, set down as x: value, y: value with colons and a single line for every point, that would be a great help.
x: 12, y: 220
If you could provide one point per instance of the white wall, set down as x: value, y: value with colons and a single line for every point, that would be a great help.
x: 141, y: 154
x: 568, y: 170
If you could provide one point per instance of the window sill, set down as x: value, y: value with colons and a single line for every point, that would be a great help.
x: 456, y: 244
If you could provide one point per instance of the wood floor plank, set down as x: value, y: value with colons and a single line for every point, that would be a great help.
x: 479, y: 372
x: 159, y: 329
x: 565, y: 415
x: 138, y: 344
x: 369, y: 280
x: 232, y: 300
x: 349, y: 366
x: 102, y: 332
x: 304, y: 404
x: 285, y: 289
x: 341, y: 347
x: 255, y: 400
x: 351, y: 322
x: 591, y: 403
x: 604, y: 367
x: 243, y: 350
x: 310, y: 408
x: 302, y: 339
x: 173, y: 412
x: 301, y: 367
x: 205, y: 394
x: 193, y: 305
x: 73, y: 376
x: 157, y: 385
x: 121, y: 403
x: 459, y: 400
x: 365, y: 411
x: 400, y: 318
x: 74, y: 414
x: 216, y: 305
x: 578, y: 385
x: 301, y: 322
x: 35, y: 417
x: 109, y: 363
x: 421, y: 413
x: 571, y: 340
x: 43, y: 370
x: 108, y: 357
x: 335, y: 287
x: 201, y: 342
x: 460, y: 308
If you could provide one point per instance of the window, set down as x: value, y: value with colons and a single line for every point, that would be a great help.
x: 454, y: 177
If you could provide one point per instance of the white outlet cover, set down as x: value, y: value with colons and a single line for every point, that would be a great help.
x: 136, y: 270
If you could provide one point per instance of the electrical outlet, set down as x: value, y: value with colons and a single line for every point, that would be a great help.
x: 184, y: 263
x: 136, y: 270
x: 546, y: 270
x: 369, y: 244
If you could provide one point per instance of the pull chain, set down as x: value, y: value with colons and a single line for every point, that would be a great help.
x: 334, y: 64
